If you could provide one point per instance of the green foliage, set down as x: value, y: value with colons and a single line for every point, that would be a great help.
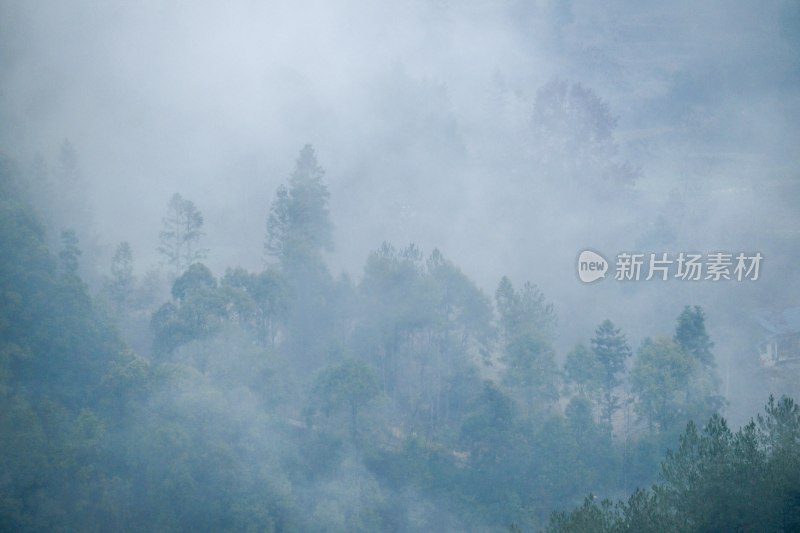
x: 660, y: 379
x: 350, y: 384
x: 690, y: 333
x: 674, y: 379
x: 716, y: 480
x: 611, y: 349
x: 261, y: 300
x: 299, y: 231
x: 488, y: 427
x: 218, y: 430
x: 524, y: 312
x: 298, y: 226
x: 583, y: 369
x: 51, y: 338
x: 425, y: 324
x: 197, y: 311
x: 527, y: 324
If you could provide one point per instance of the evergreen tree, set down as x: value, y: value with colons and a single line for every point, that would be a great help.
x: 527, y: 324
x: 690, y: 333
x: 179, y: 240
x: 583, y: 370
x: 298, y: 226
x: 298, y: 231
x: 716, y: 480
x: 611, y: 349
x: 660, y: 378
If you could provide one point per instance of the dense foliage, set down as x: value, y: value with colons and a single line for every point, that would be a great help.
x: 291, y: 400
x: 716, y: 480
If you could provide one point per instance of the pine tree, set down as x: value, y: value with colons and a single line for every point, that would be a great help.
x: 690, y: 333
x: 181, y: 234
x: 298, y: 226
x: 611, y: 349
x: 527, y: 323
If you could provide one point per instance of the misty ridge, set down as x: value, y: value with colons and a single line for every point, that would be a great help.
x: 313, y: 266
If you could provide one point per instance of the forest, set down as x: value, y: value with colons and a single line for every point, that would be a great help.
x: 315, y: 266
x: 290, y: 400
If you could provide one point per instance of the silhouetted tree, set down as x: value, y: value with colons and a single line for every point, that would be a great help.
x: 690, y: 333
x: 121, y: 285
x: 527, y: 325
x: 179, y: 240
x: 298, y: 226
x: 611, y: 349
x: 349, y: 384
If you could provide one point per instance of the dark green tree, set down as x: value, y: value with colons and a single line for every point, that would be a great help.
x: 716, y: 480
x: 585, y: 372
x: 660, y: 379
x: 350, y: 384
x: 298, y: 232
x: 527, y: 325
x: 489, y: 428
x: 690, y: 333
x: 298, y: 226
x: 611, y: 349
x: 197, y: 311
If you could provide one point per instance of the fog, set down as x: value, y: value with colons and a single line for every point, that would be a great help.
x: 509, y: 135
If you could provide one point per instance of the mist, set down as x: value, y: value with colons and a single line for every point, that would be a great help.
x: 432, y: 148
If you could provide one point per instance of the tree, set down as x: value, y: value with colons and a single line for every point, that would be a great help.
x: 179, y: 240
x: 278, y: 224
x: 527, y: 324
x: 426, y: 324
x: 196, y: 312
x: 611, y: 349
x: 584, y: 371
x: 121, y: 285
x: 298, y: 226
x: 351, y: 384
x: 525, y: 311
x: 573, y: 135
x: 298, y: 232
x: 690, y: 333
x: 488, y: 428
x: 716, y: 480
x: 265, y: 303
x: 660, y: 379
